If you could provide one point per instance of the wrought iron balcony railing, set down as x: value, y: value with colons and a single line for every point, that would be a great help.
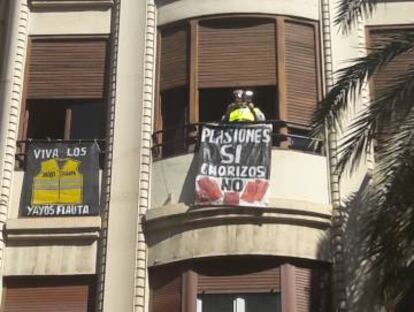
x: 185, y: 139
x: 22, y: 149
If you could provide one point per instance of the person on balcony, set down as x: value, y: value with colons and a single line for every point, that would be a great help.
x: 243, y: 109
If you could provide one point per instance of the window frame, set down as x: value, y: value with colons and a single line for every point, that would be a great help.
x: 280, y: 55
x: 24, y: 110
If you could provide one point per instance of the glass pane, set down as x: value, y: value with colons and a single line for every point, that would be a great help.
x: 217, y: 303
x: 262, y: 302
x: 87, y: 121
x: 46, y: 120
x: 214, y: 102
x: 174, y: 107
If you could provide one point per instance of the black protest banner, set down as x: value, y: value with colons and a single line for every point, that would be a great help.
x: 234, y: 164
x: 61, y: 179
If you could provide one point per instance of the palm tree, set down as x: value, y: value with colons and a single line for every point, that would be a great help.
x: 387, y: 218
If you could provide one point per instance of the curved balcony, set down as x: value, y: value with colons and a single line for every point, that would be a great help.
x: 293, y: 225
x: 171, y: 11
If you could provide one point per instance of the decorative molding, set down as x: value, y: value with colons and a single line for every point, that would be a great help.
x: 107, y: 173
x: 178, y: 216
x: 71, y: 3
x: 11, y: 99
x: 337, y: 235
x: 141, y: 276
x: 34, y: 229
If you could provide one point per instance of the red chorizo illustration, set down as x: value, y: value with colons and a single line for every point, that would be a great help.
x: 255, y: 190
x: 261, y: 188
x: 231, y: 198
x: 209, y: 190
x: 249, y: 193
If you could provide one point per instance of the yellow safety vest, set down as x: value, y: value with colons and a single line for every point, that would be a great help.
x: 53, y: 185
x: 45, y: 188
x: 242, y: 114
x: 71, y: 183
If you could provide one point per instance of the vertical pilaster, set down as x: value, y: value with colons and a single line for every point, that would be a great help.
x: 11, y: 91
x: 141, y: 272
x: 288, y: 288
x: 129, y: 157
x: 107, y: 173
x: 337, y: 237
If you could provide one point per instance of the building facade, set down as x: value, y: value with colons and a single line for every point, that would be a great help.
x: 138, y: 79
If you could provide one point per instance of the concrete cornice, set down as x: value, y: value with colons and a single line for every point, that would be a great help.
x: 53, y: 228
x: 70, y: 3
x: 172, y: 216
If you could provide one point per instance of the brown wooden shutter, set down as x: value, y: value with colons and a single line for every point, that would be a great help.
x: 166, y: 290
x: 303, y: 289
x: 301, y: 72
x: 175, y: 49
x: 67, y: 68
x: 267, y: 280
x: 237, y: 53
x: 313, y: 289
x: 387, y: 75
x: 43, y: 295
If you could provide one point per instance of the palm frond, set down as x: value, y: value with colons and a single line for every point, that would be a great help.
x: 350, y: 10
x: 394, y: 107
x: 387, y: 234
x: 352, y: 79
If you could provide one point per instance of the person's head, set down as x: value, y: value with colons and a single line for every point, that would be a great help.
x: 238, y: 95
x: 248, y: 96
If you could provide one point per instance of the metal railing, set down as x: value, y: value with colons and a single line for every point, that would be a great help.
x: 186, y: 138
x: 22, y: 149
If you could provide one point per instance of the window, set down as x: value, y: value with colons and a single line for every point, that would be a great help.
x: 239, y: 302
x: 65, y: 90
x: 202, y: 60
x: 69, y: 120
x: 39, y: 294
x: 388, y: 74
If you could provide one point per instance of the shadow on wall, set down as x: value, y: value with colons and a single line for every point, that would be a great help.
x: 359, y: 280
x: 161, y: 3
x: 187, y: 195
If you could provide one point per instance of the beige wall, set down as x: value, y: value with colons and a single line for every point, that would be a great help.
x: 393, y: 13
x: 294, y: 224
x: 295, y: 176
x: 121, y: 250
x: 68, y: 22
x: 46, y: 246
x: 170, y: 11
x: 51, y: 246
x: 178, y: 233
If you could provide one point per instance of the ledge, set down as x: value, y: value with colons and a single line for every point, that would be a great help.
x: 280, y: 212
x: 84, y: 228
x: 71, y: 3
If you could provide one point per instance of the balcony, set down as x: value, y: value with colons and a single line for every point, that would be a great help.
x: 44, y: 245
x: 292, y: 225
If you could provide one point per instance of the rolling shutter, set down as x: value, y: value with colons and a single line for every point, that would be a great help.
x: 43, y: 295
x: 387, y: 75
x: 303, y: 289
x: 174, y: 57
x: 67, y: 68
x: 263, y: 281
x: 389, y: 72
x: 237, y: 52
x: 313, y: 289
x: 301, y: 72
x: 166, y: 290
